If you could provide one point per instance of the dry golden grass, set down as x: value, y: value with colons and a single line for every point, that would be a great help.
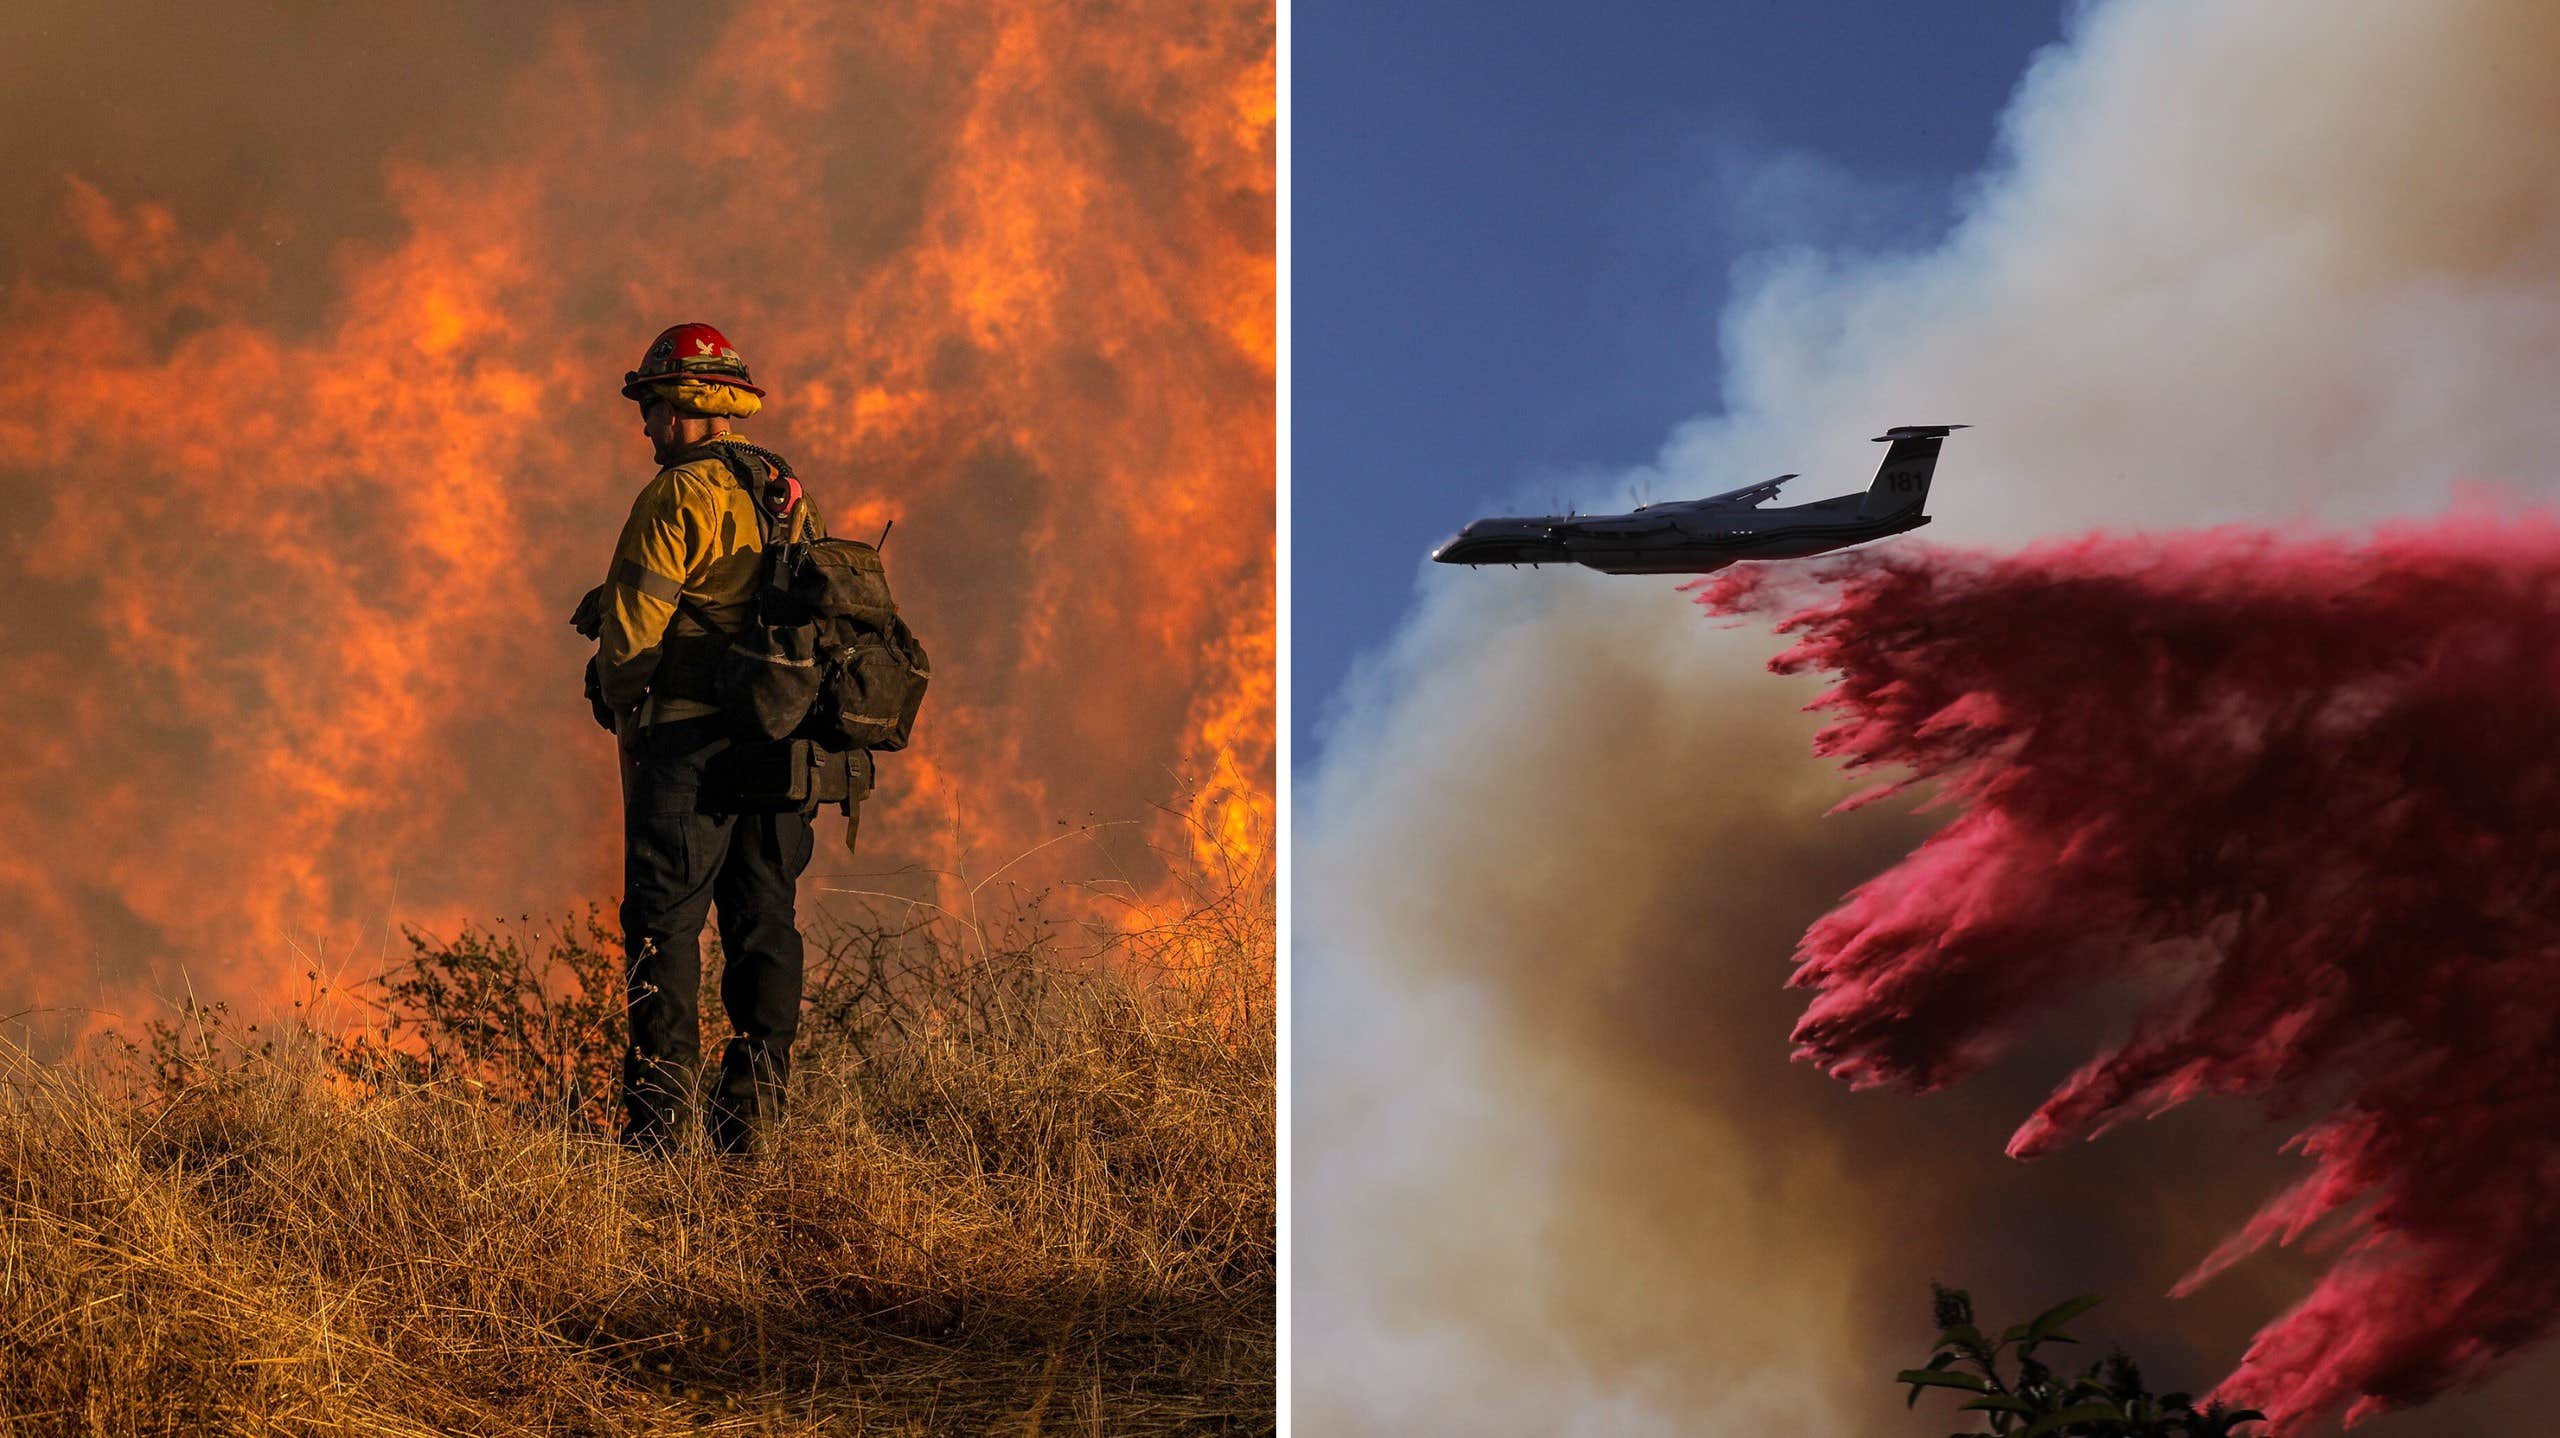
x: 1022, y: 1191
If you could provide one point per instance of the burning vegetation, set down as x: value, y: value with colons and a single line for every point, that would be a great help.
x: 291, y: 554
x: 293, y: 539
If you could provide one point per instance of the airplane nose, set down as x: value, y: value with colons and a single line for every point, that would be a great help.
x: 1502, y: 541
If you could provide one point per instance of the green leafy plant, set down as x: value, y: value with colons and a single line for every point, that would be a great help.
x: 2108, y: 1400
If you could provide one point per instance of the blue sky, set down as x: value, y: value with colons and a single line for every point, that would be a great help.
x: 1514, y: 226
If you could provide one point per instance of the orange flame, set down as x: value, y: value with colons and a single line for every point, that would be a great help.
x: 290, y: 664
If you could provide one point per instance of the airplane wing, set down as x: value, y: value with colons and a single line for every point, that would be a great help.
x: 1750, y: 495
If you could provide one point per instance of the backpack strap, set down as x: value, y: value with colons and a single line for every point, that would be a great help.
x: 759, y: 471
x: 745, y: 478
x: 688, y: 659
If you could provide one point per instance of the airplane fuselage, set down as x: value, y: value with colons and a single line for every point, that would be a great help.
x: 1701, y: 536
x: 1662, y: 541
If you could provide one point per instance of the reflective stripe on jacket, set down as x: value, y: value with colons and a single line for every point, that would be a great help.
x: 692, y: 539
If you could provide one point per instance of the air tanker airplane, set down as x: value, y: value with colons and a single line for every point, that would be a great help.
x: 1701, y: 536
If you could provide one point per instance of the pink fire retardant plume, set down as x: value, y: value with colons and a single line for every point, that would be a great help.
x: 2303, y: 795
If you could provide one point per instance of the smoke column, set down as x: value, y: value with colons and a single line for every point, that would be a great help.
x: 2308, y: 788
x: 315, y: 324
x: 2285, y: 267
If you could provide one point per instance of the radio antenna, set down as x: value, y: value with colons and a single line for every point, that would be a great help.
x: 883, y: 540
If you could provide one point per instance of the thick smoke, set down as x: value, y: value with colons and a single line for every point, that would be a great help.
x: 2306, y: 787
x: 2291, y: 263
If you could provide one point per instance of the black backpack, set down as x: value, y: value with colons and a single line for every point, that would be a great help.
x: 825, y: 670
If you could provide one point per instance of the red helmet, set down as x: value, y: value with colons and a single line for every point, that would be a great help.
x: 689, y: 352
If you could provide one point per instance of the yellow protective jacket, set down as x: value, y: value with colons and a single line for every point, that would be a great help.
x: 692, y: 540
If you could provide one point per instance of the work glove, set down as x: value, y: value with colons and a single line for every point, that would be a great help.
x: 595, y: 698
x: 588, y: 617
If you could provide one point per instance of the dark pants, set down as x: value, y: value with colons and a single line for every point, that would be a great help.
x: 684, y: 850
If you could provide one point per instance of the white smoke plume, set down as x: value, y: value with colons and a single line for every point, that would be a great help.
x: 2287, y: 261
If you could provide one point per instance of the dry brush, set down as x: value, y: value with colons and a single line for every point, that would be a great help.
x: 1027, y: 1187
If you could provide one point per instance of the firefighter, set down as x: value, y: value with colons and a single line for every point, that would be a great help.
x: 682, y: 579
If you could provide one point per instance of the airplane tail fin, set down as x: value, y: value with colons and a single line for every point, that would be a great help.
x: 1902, y: 481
